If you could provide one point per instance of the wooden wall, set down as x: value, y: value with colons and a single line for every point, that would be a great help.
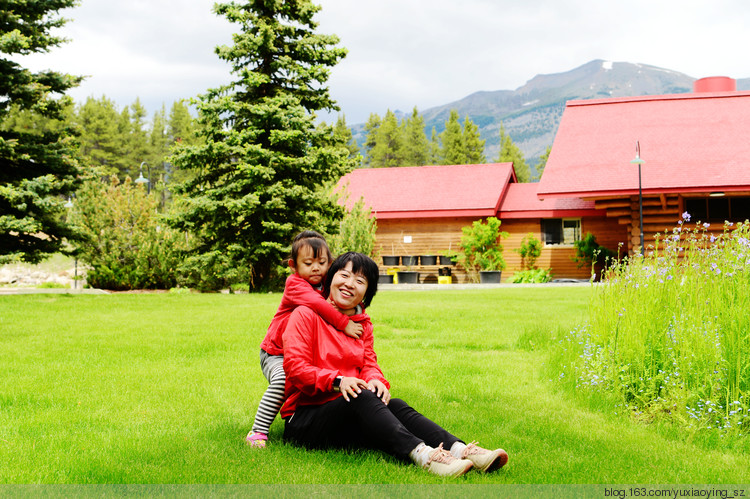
x: 434, y: 236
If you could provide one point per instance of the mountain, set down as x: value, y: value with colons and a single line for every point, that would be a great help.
x: 531, y: 113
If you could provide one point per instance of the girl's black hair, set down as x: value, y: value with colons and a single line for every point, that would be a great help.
x: 361, y: 264
x: 314, y: 240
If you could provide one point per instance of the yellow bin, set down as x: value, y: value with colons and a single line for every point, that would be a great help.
x: 444, y: 279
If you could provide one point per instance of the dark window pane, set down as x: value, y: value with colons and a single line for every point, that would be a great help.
x: 552, y: 230
x: 740, y: 209
x: 718, y: 209
x: 697, y: 209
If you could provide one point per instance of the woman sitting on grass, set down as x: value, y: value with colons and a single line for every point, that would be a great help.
x: 338, y: 396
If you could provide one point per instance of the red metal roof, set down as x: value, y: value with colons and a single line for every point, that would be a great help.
x: 521, y: 201
x: 430, y: 191
x: 689, y: 142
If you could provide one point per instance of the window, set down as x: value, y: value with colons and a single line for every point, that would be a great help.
x: 718, y: 209
x: 561, y: 230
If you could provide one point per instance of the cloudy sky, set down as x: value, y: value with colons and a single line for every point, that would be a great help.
x: 402, y: 53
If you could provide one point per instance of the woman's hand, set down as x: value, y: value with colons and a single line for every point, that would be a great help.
x: 351, y: 386
x: 378, y: 388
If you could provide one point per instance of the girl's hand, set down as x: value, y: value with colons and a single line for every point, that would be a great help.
x: 351, y: 386
x: 353, y: 329
x: 378, y: 388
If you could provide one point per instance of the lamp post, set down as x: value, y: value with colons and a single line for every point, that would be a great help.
x: 143, y: 180
x: 68, y: 206
x: 637, y: 160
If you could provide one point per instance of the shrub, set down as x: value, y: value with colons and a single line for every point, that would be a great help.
x: 356, y: 232
x: 668, y: 332
x: 126, y: 244
x: 531, y: 276
x: 530, y: 249
x: 481, y: 248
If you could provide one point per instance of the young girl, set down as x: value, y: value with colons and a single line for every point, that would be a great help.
x: 309, y: 260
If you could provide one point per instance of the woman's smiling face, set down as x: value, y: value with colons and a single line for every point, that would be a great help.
x: 347, y: 288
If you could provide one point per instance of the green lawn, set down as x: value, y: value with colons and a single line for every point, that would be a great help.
x: 161, y: 388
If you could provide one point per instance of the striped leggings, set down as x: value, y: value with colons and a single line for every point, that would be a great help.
x: 273, y: 399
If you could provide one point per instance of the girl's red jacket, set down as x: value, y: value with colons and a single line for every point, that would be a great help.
x: 299, y: 292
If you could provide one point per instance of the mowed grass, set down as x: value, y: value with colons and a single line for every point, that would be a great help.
x: 160, y: 388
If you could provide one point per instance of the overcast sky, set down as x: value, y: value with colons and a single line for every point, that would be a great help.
x: 402, y: 53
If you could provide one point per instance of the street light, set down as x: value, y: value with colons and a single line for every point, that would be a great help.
x: 142, y: 180
x: 68, y: 206
x: 639, y: 162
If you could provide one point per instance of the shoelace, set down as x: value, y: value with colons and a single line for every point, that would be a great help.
x: 440, y: 455
x: 472, y: 449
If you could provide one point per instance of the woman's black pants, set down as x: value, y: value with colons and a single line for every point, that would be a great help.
x: 365, y: 421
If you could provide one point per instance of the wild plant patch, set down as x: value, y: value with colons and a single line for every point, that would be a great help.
x: 669, y: 332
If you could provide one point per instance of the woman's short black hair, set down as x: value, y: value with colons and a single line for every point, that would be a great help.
x: 361, y: 264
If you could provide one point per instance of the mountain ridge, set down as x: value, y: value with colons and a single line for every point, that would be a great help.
x: 532, y: 112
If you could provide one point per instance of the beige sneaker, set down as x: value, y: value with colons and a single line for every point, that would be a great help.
x: 483, y: 459
x: 442, y: 463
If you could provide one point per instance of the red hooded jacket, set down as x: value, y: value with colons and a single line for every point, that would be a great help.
x: 315, y: 354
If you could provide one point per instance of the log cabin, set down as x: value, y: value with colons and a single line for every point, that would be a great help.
x: 693, y: 154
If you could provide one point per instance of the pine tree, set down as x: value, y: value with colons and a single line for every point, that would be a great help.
x: 263, y: 167
x: 416, y: 147
x: 542, y: 164
x: 452, y: 151
x: 100, y: 142
x: 38, y: 170
x: 371, y: 129
x: 139, y: 148
x: 345, y: 136
x: 389, y: 144
x: 473, y: 144
x: 509, y: 152
x: 434, y: 147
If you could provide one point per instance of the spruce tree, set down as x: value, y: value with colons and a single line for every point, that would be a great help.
x: 473, y: 144
x: 371, y: 139
x: 264, y: 167
x: 389, y: 143
x: 542, y: 164
x: 452, y: 151
x: 37, y: 166
x: 416, y: 146
x: 100, y: 142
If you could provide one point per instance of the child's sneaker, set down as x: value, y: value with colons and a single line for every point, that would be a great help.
x: 483, y: 459
x: 255, y: 439
x: 442, y: 463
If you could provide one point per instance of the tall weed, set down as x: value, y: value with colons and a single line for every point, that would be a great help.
x: 669, y: 332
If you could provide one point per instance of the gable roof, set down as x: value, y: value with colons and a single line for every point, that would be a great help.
x: 689, y: 142
x: 521, y: 201
x: 430, y: 191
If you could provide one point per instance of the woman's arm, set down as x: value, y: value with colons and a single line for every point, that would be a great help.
x: 370, y: 369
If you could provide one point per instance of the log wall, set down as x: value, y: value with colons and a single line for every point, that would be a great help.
x: 435, y: 236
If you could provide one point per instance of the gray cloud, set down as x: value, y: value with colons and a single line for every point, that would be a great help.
x: 402, y: 53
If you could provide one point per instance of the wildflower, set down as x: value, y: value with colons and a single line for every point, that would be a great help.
x: 706, y: 225
x: 686, y: 216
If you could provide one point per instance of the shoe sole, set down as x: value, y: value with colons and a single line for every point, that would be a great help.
x: 500, y: 461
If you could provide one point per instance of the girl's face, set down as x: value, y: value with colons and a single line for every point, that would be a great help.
x: 309, y: 268
x: 347, y: 288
